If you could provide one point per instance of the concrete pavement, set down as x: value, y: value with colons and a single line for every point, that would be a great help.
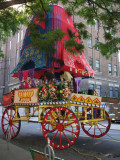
x: 9, y: 151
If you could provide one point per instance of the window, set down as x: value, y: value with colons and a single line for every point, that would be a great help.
x: 111, y: 91
x: 96, y: 42
x: 99, y: 89
x: 91, y: 86
x: 10, y: 44
x: 118, y: 55
x: 91, y: 62
x: 115, y: 70
x: 97, y: 65
x: 90, y: 42
x: 110, y: 69
x: 96, y: 24
x: 18, y: 37
x: 17, y: 55
x: 116, y: 92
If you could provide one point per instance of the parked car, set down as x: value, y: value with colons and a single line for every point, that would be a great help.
x: 115, y: 119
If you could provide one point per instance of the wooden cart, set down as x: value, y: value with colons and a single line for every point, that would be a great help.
x: 60, y: 120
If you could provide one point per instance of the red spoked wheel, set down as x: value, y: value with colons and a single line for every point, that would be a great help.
x: 9, y: 124
x: 66, y: 127
x: 96, y: 129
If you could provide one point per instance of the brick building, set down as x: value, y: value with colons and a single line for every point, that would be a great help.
x: 107, y: 75
x: 11, y: 49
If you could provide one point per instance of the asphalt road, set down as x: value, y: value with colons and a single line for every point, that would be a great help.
x: 106, y: 148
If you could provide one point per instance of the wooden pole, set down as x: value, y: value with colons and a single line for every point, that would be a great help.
x: 77, y: 85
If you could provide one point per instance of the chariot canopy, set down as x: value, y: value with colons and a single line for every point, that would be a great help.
x: 31, y: 58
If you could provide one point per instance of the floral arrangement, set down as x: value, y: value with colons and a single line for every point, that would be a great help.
x: 43, y: 93
x: 52, y: 91
x: 63, y: 91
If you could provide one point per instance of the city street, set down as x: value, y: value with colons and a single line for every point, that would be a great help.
x: 106, y: 148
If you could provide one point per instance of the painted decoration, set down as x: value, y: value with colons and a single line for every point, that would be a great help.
x: 86, y: 98
x: 26, y: 96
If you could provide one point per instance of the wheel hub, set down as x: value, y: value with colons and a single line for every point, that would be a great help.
x: 60, y: 127
x: 10, y: 122
x: 93, y: 123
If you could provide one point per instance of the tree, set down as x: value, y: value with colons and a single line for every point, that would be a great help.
x: 106, y: 13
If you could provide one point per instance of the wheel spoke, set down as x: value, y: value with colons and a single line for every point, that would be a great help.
x: 89, y: 128
x: 54, y: 136
x: 54, y: 118
x: 13, y: 131
x: 60, y: 139
x: 65, y: 117
x: 6, y: 129
x: 5, y: 124
x: 66, y: 137
x: 102, y: 125
x: 15, y: 126
x: 10, y: 132
x: 7, y: 114
x: 13, y: 116
x: 99, y: 129
x: 68, y: 124
x: 50, y: 124
x: 69, y: 131
x: 6, y: 119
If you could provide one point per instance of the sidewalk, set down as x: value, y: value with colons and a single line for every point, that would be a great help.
x: 9, y: 151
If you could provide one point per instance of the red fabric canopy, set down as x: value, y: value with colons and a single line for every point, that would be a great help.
x: 77, y: 64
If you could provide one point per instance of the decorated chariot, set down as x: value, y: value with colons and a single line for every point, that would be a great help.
x: 59, y: 111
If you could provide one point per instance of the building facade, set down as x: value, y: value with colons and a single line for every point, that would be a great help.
x: 107, y: 76
x: 106, y: 79
x: 11, y: 49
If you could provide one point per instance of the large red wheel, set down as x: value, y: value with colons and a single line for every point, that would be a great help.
x: 9, y: 124
x: 66, y: 127
x: 96, y: 129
